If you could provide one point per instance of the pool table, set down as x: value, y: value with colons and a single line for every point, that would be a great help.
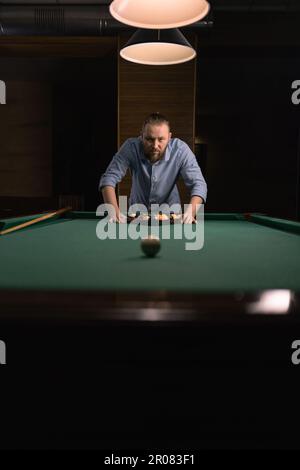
x: 109, y: 349
x: 62, y: 265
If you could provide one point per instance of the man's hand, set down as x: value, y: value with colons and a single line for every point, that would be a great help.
x: 187, y: 218
x: 110, y: 199
x: 119, y: 218
x: 191, y: 210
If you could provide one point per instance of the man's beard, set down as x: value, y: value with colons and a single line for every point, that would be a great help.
x: 154, y: 157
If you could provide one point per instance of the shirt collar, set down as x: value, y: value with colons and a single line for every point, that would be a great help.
x: 167, y: 154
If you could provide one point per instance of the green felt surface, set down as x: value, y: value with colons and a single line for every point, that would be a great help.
x: 237, y: 255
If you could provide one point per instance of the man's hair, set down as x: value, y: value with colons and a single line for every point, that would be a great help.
x: 155, y: 119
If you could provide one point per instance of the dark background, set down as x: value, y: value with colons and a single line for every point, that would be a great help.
x: 79, y: 119
x: 247, y: 128
x: 84, y: 127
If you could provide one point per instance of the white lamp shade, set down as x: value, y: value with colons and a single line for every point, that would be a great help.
x: 158, y: 54
x: 159, y: 14
x: 151, y: 47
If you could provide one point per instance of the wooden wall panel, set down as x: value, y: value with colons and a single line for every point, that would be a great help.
x: 34, y: 169
x: 57, y: 46
x: 145, y: 89
x: 25, y: 143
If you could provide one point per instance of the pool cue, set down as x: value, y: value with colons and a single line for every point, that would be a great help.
x: 35, y: 221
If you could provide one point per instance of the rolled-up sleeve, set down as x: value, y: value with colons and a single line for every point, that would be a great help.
x: 192, y: 175
x: 117, y: 168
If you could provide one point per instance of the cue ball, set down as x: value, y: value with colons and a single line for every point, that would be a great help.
x: 150, y: 246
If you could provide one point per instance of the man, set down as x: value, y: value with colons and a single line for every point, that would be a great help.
x: 155, y: 161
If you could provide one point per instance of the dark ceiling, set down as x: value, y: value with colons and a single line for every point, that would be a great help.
x: 217, y: 5
x: 256, y: 5
x: 278, y: 19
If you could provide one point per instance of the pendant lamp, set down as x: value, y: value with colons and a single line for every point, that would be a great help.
x: 159, y: 14
x: 155, y: 47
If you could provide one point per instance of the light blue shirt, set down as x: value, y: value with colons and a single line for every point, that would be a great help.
x: 156, y: 183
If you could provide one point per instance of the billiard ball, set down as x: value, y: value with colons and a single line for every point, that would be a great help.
x: 150, y: 246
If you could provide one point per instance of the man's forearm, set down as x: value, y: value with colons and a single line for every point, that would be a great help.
x: 194, y: 204
x: 109, y: 197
